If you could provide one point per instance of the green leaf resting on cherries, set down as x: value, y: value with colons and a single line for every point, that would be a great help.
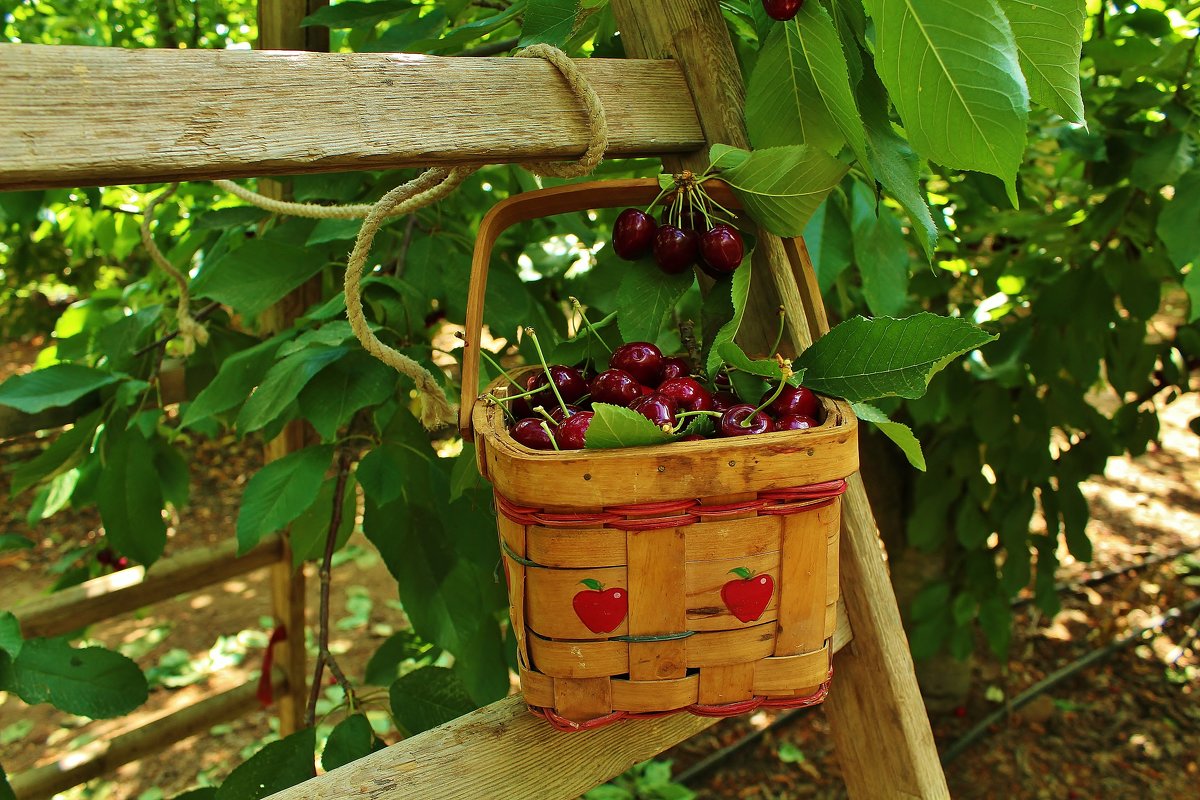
x: 700, y: 425
x: 613, y: 426
x: 780, y: 187
x: 863, y: 359
x: 898, y: 432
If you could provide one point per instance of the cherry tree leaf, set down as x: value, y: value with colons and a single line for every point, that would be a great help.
x: 952, y: 71
x: 278, y: 766
x: 428, y: 697
x: 898, y: 432
x: 739, y: 291
x: 780, y: 187
x: 1049, y: 41
x: 280, y: 492
x: 91, y: 681
x: 613, y: 426
x: 646, y: 297
x: 54, y: 386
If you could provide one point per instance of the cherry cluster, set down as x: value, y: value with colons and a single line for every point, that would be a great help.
x: 664, y: 390
x: 782, y: 10
x: 680, y: 244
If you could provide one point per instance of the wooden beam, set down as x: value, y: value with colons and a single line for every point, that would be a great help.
x: 81, y: 116
x: 130, y: 589
x: 97, y: 758
x: 504, y: 751
x: 881, y: 731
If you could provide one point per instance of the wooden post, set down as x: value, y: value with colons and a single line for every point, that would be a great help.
x: 279, y: 29
x: 879, y: 723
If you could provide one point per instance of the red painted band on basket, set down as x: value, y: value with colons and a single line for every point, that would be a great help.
x: 677, y: 513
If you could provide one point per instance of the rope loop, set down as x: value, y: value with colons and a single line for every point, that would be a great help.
x: 191, y: 332
x: 597, y: 119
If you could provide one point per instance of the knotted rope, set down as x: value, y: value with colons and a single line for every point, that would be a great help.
x: 191, y: 332
x: 427, y: 188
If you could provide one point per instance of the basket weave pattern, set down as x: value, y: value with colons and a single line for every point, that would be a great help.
x: 682, y: 633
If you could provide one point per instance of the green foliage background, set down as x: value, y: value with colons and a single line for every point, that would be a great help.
x: 1061, y: 215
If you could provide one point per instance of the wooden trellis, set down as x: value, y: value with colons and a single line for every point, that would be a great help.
x: 79, y: 116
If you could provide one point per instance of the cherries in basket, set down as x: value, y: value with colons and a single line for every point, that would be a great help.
x: 553, y: 408
x: 693, y: 231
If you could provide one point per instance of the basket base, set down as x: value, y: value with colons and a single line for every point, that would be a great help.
x: 561, y: 723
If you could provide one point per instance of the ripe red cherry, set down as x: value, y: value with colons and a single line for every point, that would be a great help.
x: 721, y: 250
x: 642, y: 360
x: 674, y: 368
x: 723, y: 401
x: 691, y: 220
x: 782, y: 10
x: 520, y: 407
x: 675, y: 250
x: 530, y: 433
x: 572, y: 432
x: 731, y: 421
x: 615, y: 386
x: 793, y: 401
x: 687, y: 394
x: 558, y: 416
x: 569, y: 381
x: 795, y: 422
x: 656, y: 408
x: 633, y: 234
x: 106, y: 557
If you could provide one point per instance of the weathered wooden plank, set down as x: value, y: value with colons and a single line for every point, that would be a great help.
x: 76, y: 116
x: 503, y: 751
x: 130, y: 589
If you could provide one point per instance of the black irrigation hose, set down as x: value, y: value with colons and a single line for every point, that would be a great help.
x: 1057, y: 677
x: 1101, y: 577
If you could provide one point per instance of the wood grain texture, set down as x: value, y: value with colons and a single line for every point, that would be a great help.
x: 802, y: 584
x: 656, y: 605
x: 130, y: 589
x: 78, y: 116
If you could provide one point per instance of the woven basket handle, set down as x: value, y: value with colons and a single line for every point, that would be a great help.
x: 636, y: 193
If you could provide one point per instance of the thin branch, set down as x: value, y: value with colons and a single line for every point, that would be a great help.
x: 198, y: 316
x: 324, y: 656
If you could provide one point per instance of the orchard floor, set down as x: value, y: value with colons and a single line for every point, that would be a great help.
x: 1128, y: 727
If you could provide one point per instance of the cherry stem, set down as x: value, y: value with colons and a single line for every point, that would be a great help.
x: 787, y: 373
x: 682, y: 414
x: 653, y: 203
x: 548, y: 418
x: 546, y: 368
x: 587, y: 324
x: 507, y: 414
x: 779, y: 334
x: 550, y: 433
x: 496, y: 366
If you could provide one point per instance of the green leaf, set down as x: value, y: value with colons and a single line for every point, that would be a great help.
x: 1191, y: 285
x: 90, y: 681
x: 898, y: 432
x: 780, y: 187
x: 353, y: 383
x: 1049, y: 39
x: 1073, y: 508
x: 310, y: 530
x: 278, y: 766
x: 613, y: 426
x: 768, y: 368
x: 549, y: 22
x: 862, y: 359
x: 355, y: 14
x: 54, y: 386
x: 739, y: 293
x: 428, y: 697
x: 257, y: 274
x: 881, y: 254
x: 828, y: 239
x: 464, y: 476
x: 1177, y: 226
x: 742, y: 572
x: 129, y: 497
x: 206, y: 793
x: 13, y: 541
x: 647, y: 295
x: 10, y: 634
x: 952, y: 71
x: 280, y: 492
x: 995, y: 617
x: 282, y: 385
x: 895, y: 164
x: 236, y: 378
x: 1165, y: 162
x: 384, y: 666
x: 350, y: 740
x: 799, y: 92
x: 63, y: 454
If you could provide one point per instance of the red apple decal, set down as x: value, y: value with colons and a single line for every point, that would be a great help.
x: 747, y: 597
x: 600, y: 609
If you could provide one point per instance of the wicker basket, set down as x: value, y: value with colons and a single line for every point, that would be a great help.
x: 697, y: 576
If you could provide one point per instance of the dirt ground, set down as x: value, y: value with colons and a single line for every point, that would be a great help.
x: 1126, y: 728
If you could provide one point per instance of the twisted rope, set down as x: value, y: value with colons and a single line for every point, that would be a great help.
x: 191, y: 332
x: 426, y: 189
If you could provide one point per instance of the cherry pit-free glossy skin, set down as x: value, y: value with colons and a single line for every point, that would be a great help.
x: 793, y: 401
x: 674, y: 368
x: 572, y: 432
x: 633, y: 234
x: 687, y: 393
x: 721, y: 250
x: 642, y: 360
x: 657, y: 408
x: 616, y: 387
x: 569, y: 381
x: 782, y: 10
x: 675, y: 249
x: 795, y: 422
x: 744, y: 420
x: 532, y: 432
